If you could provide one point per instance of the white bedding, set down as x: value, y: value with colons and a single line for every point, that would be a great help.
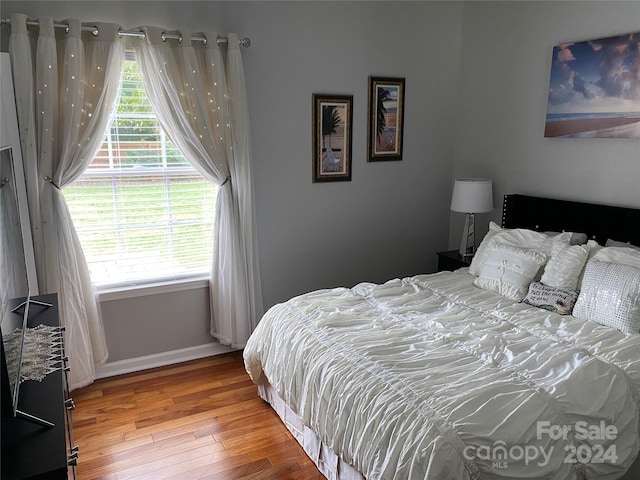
x: 432, y: 377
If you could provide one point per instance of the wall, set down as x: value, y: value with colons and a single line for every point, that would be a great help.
x: 506, y: 60
x: 477, y: 80
x: 388, y: 221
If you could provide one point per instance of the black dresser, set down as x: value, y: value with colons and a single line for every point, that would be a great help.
x: 31, y: 450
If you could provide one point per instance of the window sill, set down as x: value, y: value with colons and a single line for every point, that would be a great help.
x: 106, y: 294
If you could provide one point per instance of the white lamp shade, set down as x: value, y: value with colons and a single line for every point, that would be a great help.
x: 472, y: 195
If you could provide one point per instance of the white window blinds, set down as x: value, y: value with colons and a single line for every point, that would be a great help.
x: 142, y: 212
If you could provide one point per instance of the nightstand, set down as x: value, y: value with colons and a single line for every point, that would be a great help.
x: 452, y: 260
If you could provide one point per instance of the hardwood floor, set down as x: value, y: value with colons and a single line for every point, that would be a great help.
x: 196, y: 420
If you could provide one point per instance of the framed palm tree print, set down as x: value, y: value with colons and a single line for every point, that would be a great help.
x: 332, y: 128
x: 386, y: 118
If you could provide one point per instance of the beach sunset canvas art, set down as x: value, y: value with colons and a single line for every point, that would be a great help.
x: 594, y: 89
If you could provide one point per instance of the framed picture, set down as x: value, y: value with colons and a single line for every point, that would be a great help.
x: 386, y: 118
x: 332, y: 128
x: 593, y: 89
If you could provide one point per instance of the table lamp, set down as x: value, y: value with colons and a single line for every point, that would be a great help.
x: 471, y: 196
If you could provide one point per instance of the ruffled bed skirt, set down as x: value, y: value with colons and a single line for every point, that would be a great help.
x: 329, y: 464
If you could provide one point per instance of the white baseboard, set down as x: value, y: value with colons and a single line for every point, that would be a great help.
x: 136, y: 364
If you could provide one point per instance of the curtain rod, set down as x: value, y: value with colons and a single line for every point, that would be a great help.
x: 244, y: 42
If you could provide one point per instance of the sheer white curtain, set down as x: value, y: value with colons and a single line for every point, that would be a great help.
x: 66, y: 84
x: 200, y: 101
x: 13, y: 274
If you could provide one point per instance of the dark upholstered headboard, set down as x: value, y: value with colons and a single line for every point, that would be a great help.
x: 599, y: 222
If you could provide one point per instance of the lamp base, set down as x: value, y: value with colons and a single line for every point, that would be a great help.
x: 468, y: 242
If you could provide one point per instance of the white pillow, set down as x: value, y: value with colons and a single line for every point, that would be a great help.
x: 481, y: 253
x: 610, y: 296
x: 550, y: 298
x: 621, y: 255
x: 519, y: 237
x: 509, y: 270
x: 565, y: 266
x: 576, y: 238
x: 615, y: 243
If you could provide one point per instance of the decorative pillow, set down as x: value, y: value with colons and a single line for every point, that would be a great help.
x: 576, y: 238
x: 519, y: 237
x: 610, y: 296
x: 621, y: 255
x: 481, y: 253
x: 509, y: 270
x: 564, y: 268
x: 550, y: 298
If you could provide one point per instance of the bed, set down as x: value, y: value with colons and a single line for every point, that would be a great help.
x: 524, y: 365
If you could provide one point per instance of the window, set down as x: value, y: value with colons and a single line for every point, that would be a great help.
x: 142, y: 212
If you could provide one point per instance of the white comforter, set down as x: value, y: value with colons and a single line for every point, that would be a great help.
x: 432, y: 377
